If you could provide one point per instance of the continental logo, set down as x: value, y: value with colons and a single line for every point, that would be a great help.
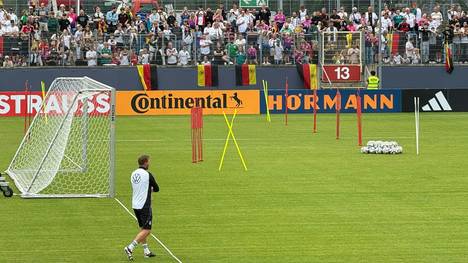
x: 180, y: 102
x: 142, y: 103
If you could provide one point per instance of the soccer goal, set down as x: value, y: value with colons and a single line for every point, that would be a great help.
x: 68, y: 150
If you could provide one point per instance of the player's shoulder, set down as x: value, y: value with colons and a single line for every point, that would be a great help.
x: 141, y: 171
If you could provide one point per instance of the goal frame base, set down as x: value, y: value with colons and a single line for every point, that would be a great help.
x: 54, y: 196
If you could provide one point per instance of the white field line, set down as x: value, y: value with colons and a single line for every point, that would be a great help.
x: 259, y: 139
x: 155, y: 238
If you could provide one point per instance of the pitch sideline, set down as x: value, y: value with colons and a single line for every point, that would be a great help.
x: 155, y: 238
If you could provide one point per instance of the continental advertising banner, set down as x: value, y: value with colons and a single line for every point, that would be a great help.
x: 302, y: 101
x: 180, y: 102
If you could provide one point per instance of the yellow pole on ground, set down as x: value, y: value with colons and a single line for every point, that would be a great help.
x: 265, y: 92
x: 231, y: 134
x: 43, y: 99
x: 227, y: 140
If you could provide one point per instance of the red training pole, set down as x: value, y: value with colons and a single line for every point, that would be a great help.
x: 315, y: 110
x: 192, y: 111
x: 359, y: 117
x: 199, y: 129
x: 287, y: 103
x: 338, y: 109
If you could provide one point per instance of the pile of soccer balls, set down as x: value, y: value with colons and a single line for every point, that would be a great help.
x: 382, y: 147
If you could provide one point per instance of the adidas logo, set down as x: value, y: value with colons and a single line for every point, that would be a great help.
x: 438, y: 103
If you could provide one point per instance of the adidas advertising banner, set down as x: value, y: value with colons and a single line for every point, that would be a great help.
x: 436, y: 100
x: 302, y: 101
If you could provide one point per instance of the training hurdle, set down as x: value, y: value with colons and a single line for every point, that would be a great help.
x: 197, y: 134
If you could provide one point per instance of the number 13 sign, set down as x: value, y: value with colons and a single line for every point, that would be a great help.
x: 341, y: 73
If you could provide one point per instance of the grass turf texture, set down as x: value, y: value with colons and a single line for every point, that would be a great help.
x: 306, y: 197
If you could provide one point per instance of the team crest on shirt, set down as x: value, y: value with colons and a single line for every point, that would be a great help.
x: 136, y: 179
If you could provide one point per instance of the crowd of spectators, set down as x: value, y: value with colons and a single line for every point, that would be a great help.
x: 39, y: 36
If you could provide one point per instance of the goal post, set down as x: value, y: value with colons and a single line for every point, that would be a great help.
x: 69, y: 149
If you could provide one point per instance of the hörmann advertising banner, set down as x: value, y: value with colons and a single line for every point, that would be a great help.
x: 302, y: 101
x: 180, y: 102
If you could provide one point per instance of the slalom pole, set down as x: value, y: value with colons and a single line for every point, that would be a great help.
x: 200, y: 134
x: 221, y: 162
x: 338, y: 109
x: 315, y: 110
x: 287, y: 103
x: 192, y: 111
x: 30, y: 112
x: 43, y: 88
x: 265, y: 92
x: 416, y: 120
x: 26, y: 94
x: 359, y: 116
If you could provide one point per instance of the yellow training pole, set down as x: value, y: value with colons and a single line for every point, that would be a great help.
x: 227, y: 140
x: 265, y: 92
x: 43, y: 99
x: 235, y: 141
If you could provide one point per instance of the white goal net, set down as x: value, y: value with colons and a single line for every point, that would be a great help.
x: 68, y: 150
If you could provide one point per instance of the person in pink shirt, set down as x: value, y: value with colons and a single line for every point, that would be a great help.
x: 307, y: 23
x: 280, y: 19
x: 423, y: 21
x: 72, y: 17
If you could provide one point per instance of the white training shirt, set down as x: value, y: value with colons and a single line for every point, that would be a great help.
x: 140, y: 184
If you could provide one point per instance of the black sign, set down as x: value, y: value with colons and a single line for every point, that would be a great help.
x: 436, y: 100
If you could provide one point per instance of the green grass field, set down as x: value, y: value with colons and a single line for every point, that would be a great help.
x: 306, y: 197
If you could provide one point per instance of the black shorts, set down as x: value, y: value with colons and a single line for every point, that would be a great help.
x: 144, y: 217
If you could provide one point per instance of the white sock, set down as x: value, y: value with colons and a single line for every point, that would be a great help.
x: 133, y: 245
x: 146, y: 249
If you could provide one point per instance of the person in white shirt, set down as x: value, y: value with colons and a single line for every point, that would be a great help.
x: 371, y: 18
x: 397, y: 59
x: 233, y: 14
x: 437, y: 16
x: 278, y: 51
x: 154, y: 18
x: 124, y: 58
x: 242, y: 22
x: 418, y: 14
x: 302, y: 13
x: 209, y: 30
x: 386, y: 23
x: 355, y: 18
x: 409, y: 48
x: 240, y: 42
x: 91, y: 57
x: 143, y: 184
x: 205, y: 61
x: 342, y: 13
x: 184, y: 56
x: 217, y: 31
x: 410, y: 19
x: 205, y: 44
x: 13, y: 16
x: 66, y: 39
x: 144, y: 57
x: 295, y: 21
x: 171, y: 53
